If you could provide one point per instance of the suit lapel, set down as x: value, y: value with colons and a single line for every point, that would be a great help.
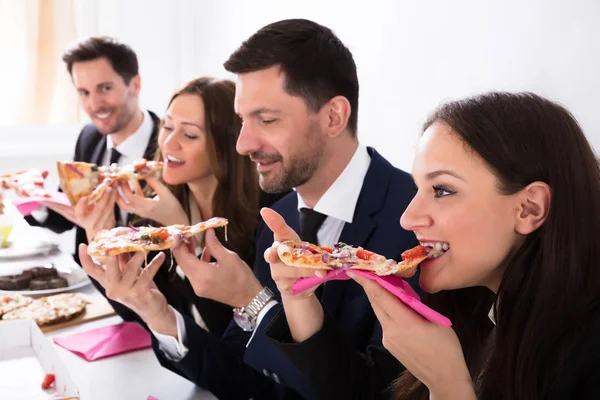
x: 153, y: 142
x: 370, y: 201
x: 99, y: 151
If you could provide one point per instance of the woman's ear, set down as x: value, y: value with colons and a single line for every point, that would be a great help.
x: 533, y: 208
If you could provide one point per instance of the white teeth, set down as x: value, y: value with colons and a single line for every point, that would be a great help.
x: 103, y: 116
x: 436, y: 249
x: 173, y: 159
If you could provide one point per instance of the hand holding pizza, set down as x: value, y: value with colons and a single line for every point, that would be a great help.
x: 126, y: 282
x: 228, y: 279
x: 304, y: 312
x: 163, y: 208
x: 430, y: 351
x: 96, y: 217
x: 283, y: 275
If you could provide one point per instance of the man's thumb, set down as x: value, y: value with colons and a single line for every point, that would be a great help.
x: 276, y: 223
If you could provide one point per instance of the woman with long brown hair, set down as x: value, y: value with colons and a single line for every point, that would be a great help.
x: 203, y: 177
x: 509, y: 185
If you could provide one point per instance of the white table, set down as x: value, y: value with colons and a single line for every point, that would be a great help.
x: 132, y: 376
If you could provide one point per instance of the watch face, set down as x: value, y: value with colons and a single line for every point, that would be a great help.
x: 243, y: 322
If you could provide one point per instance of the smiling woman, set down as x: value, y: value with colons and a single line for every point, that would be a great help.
x: 500, y: 178
x: 205, y: 177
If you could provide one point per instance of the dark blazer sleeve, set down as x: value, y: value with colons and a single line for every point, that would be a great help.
x: 332, y: 366
x: 217, y: 364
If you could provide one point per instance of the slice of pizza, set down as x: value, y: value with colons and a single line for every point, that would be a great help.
x: 50, y: 310
x: 11, y: 302
x: 108, y: 243
x: 25, y: 183
x: 301, y: 254
x: 81, y: 179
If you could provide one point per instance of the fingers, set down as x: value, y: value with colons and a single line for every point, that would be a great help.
x: 147, y: 276
x: 127, y: 195
x: 132, y: 268
x: 159, y: 188
x: 277, y: 224
x: 93, y: 270
x: 214, y: 247
x: 387, y: 306
x: 184, y: 254
x: 112, y: 272
x: 271, y: 256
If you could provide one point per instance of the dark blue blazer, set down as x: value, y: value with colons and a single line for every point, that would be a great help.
x: 230, y: 370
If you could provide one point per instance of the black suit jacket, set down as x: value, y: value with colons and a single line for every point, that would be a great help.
x: 90, y: 147
x: 227, y: 368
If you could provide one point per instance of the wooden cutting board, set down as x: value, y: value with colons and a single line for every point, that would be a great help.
x: 97, y: 308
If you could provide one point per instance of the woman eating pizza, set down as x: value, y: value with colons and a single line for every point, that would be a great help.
x: 204, y: 177
x: 509, y: 187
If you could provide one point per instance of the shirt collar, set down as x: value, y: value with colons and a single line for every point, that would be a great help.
x: 339, y: 201
x: 135, y: 144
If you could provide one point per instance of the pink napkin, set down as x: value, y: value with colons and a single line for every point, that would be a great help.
x: 393, y: 284
x: 27, y: 205
x: 106, y: 341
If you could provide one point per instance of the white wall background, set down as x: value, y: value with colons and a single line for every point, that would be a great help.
x: 410, y: 56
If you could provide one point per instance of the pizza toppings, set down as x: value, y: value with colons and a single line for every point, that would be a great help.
x: 108, y: 243
x: 342, y: 256
x: 139, y: 164
x: 25, y: 183
x: 13, y: 302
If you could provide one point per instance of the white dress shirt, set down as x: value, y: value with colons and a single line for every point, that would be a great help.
x: 338, y: 203
x: 132, y: 148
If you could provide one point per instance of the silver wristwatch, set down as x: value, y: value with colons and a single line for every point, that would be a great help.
x: 246, y: 317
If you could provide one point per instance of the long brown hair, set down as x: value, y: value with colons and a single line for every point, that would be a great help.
x: 552, y: 282
x: 237, y: 194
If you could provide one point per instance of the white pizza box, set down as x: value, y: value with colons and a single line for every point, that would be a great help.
x: 26, y: 356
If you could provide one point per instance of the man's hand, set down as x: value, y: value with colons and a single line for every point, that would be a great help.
x: 228, y: 280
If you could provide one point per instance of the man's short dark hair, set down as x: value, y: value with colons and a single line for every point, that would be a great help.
x: 316, y: 63
x: 120, y: 56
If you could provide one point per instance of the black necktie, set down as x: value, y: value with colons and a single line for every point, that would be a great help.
x: 114, y: 159
x: 114, y: 156
x: 310, y: 222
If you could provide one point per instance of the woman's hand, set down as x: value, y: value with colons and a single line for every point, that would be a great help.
x: 163, y: 208
x: 126, y: 282
x: 431, y: 352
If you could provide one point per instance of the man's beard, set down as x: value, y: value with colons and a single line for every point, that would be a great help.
x: 298, y: 170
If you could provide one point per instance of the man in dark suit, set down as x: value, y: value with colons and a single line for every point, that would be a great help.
x: 105, y: 74
x: 297, y: 94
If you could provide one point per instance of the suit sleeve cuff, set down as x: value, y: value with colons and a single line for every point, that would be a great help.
x: 261, y: 316
x: 173, y: 349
